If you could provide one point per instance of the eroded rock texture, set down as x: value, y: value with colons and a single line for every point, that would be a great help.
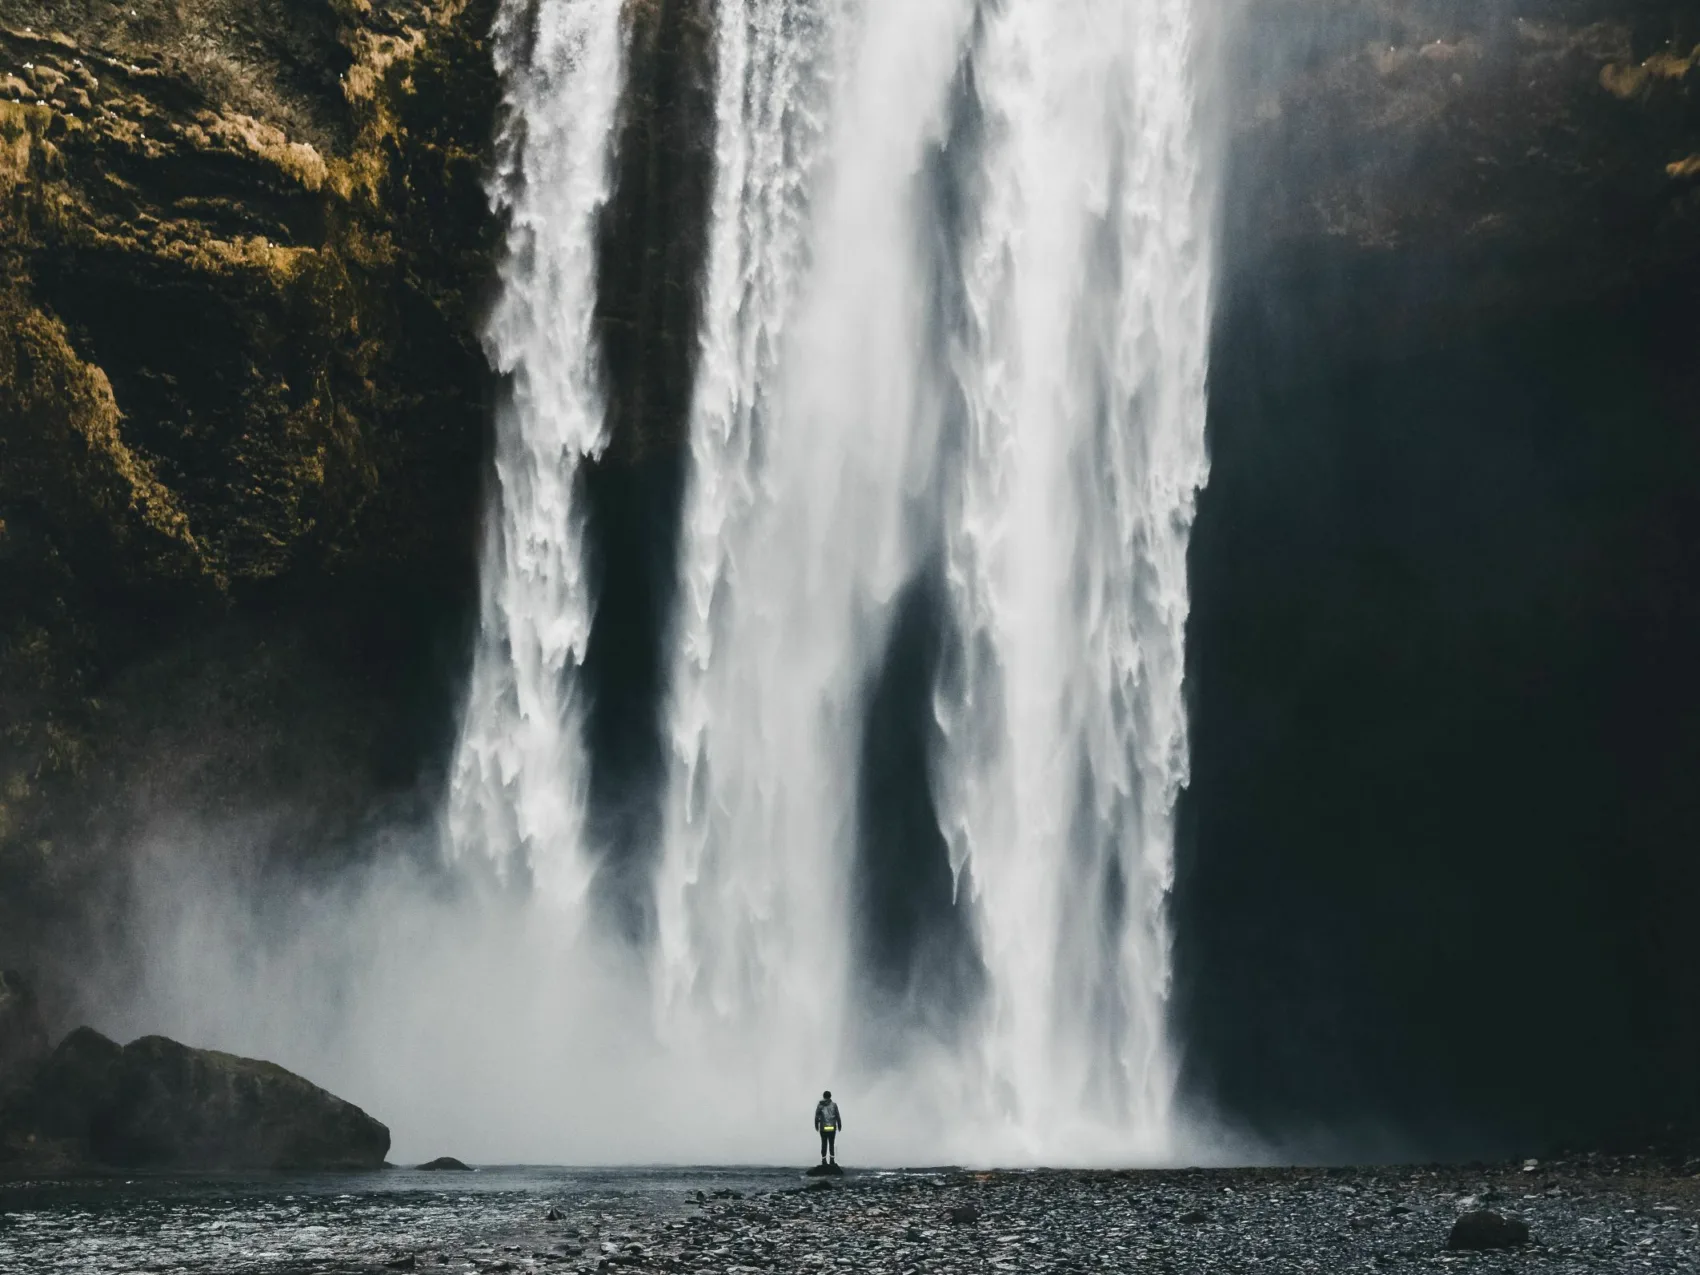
x: 1434, y: 164
x: 242, y: 403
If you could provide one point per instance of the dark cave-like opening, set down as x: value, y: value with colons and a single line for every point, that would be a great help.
x: 1434, y: 878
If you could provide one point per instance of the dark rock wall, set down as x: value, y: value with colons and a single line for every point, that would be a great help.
x: 243, y: 251
x: 1416, y: 164
x: 1434, y: 887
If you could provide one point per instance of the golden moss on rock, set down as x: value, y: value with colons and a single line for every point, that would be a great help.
x: 60, y: 443
x: 241, y: 251
x: 1521, y: 156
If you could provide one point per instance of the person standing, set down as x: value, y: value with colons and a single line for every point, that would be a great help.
x: 827, y: 1123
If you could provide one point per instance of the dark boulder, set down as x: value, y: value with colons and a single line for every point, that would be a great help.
x: 446, y: 1163
x: 157, y: 1104
x: 23, y: 1037
x: 962, y: 1215
x: 1484, y: 1228
x: 825, y: 1171
x: 46, y: 1126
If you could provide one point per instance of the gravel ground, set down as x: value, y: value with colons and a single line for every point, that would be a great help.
x: 1594, y: 1214
x: 1587, y: 1216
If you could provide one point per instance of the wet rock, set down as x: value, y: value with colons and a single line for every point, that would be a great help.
x: 1194, y: 1216
x: 1484, y: 1229
x: 158, y: 1104
x: 962, y: 1215
x: 446, y: 1163
x: 825, y: 1171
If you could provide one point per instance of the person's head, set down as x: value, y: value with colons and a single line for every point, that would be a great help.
x: 827, y: 1096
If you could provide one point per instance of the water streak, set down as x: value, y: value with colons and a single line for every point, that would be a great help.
x: 518, y: 795
x: 1064, y: 732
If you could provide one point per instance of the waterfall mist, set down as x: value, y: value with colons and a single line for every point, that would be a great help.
x: 924, y: 714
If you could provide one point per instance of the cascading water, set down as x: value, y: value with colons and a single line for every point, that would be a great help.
x: 1064, y: 732
x: 953, y: 349
x: 806, y: 443
x: 712, y: 924
x: 819, y: 441
x: 1036, y: 444
x: 517, y: 800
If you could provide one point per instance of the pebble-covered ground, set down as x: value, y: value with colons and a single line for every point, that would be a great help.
x: 1625, y: 1215
x: 1278, y: 1221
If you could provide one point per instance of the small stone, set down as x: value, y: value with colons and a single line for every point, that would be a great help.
x: 1483, y: 1229
x: 962, y: 1215
x: 1194, y: 1216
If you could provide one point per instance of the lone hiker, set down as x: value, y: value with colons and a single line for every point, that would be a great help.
x: 827, y: 1123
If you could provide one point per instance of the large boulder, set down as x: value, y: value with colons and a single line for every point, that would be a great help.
x: 23, y: 1037
x: 157, y: 1104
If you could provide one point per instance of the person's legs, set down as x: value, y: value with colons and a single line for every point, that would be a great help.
x: 832, y: 1145
x: 825, y: 1140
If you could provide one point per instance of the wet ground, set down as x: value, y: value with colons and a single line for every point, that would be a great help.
x: 1623, y: 1215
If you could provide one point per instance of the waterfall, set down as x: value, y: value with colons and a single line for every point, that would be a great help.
x: 1082, y: 368
x: 518, y: 792
x: 718, y: 909
x: 826, y: 469
x: 954, y: 330
x: 805, y: 442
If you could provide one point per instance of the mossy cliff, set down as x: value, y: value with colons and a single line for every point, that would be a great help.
x: 245, y: 254
x: 242, y: 255
x: 1421, y: 167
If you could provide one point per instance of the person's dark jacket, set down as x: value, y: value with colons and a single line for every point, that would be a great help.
x: 826, y: 1113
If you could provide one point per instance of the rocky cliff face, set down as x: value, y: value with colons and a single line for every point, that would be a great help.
x: 1433, y: 889
x: 1422, y: 166
x: 242, y: 400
